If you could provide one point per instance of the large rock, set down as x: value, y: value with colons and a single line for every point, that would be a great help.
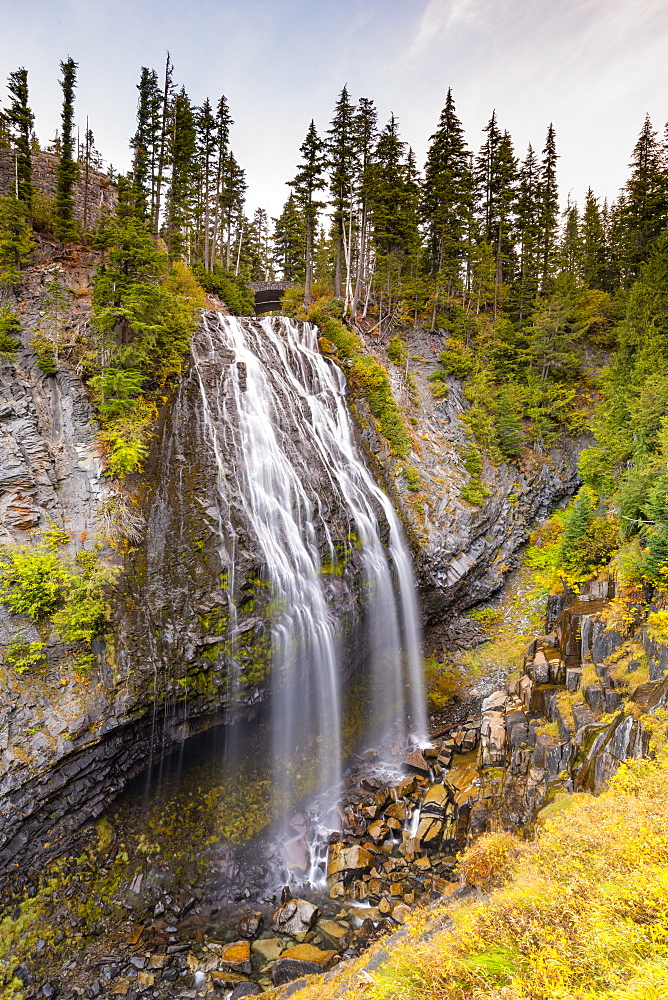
x: 342, y: 859
x: 297, y: 916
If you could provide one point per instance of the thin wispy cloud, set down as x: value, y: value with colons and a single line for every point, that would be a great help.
x: 439, y: 17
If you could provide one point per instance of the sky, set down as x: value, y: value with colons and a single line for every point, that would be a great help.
x: 593, y: 68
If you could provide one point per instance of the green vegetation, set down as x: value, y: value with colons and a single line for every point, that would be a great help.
x: 473, y: 490
x: 396, y: 350
x: 16, y: 240
x: 10, y: 327
x: 54, y: 592
x: 144, y: 311
x: 366, y: 376
x: 412, y: 477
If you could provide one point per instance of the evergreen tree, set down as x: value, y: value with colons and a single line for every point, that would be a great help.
x: 593, y: 243
x: 448, y: 198
x: 366, y: 134
x: 548, y: 206
x: 486, y: 181
x: 344, y: 165
x: 206, y: 150
x: 67, y: 171
x: 180, y: 196
x: 221, y: 161
x: 308, y: 180
x: 645, y: 197
x: 570, y: 253
x: 20, y: 121
x: 145, y: 141
x: 16, y: 240
x: 290, y: 242
x: 508, y: 426
x: 163, y: 143
x: 528, y: 233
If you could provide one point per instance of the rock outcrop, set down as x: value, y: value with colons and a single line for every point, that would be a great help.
x: 462, y: 551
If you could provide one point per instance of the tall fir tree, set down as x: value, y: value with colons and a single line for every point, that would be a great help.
x: 344, y: 165
x: 646, y: 196
x: 181, y: 193
x: 528, y: 234
x: 593, y: 243
x: 145, y: 142
x: 447, y: 201
x: 20, y: 121
x: 290, y: 241
x: 366, y: 134
x: 548, y: 206
x: 67, y: 170
x: 309, y: 179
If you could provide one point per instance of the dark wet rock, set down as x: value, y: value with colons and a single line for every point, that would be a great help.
x: 245, y: 990
x: 250, y: 925
x: 285, y: 970
x: 23, y: 973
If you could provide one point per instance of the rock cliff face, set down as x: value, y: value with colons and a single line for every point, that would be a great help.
x: 67, y: 743
x: 462, y: 551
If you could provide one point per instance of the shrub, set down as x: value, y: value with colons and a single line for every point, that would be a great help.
x: 412, y: 477
x: 21, y: 655
x: 10, y: 326
x: 52, y: 590
x: 396, y: 351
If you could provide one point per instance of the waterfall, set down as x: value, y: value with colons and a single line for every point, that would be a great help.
x: 274, y: 412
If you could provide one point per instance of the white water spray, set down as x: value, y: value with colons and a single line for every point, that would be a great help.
x: 274, y: 411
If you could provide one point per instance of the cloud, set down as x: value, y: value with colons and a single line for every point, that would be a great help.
x: 438, y: 17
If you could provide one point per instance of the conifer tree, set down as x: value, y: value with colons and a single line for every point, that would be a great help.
x: 309, y: 179
x: 221, y: 157
x: 593, y: 243
x: 344, y: 165
x: 366, y: 134
x: 20, y: 121
x: 163, y: 144
x: 181, y: 192
x: 67, y: 171
x: 16, y: 239
x: 145, y: 142
x: 549, y: 206
x: 447, y: 201
x: 528, y: 233
x: 206, y: 149
x: 290, y: 241
x: 570, y: 254
x: 486, y: 181
x: 645, y: 197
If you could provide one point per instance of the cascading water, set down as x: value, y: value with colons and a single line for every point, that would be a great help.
x: 274, y: 412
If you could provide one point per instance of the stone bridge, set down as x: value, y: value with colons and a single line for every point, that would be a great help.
x: 268, y: 295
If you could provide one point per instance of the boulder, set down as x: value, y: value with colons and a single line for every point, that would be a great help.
x: 297, y: 916
x: 236, y: 957
x: 309, y: 953
x: 342, y: 859
x: 250, y: 925
x: 268, y: 949
x: 415, y: 761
